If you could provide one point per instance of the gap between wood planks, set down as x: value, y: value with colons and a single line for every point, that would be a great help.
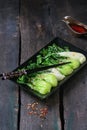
x: 61, y: 108
x: 19, y: 61
x: 19, y: 93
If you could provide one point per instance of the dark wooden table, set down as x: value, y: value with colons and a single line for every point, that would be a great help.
x: 25, y: 27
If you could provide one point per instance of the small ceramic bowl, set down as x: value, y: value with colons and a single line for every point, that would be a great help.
x: 71, y: 21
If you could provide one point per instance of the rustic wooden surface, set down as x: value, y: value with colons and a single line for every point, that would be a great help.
x: 36, y: 31
x: 9, y: 52
x: 39, y: 23
x: 75, y: 94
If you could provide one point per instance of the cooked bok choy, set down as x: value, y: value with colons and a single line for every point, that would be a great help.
x: 44, y: 81
x: 74, y: 55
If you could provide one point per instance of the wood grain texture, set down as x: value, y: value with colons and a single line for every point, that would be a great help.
x: 36, y: 32
x: 40, y: 22
x: 75, y: 102
x: 75, y: 92
x: 9, y: 51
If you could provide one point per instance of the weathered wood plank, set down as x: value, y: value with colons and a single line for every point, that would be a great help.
x: 75, y: 92
x: 9, y: 51
x: 75, y: 102
x: 40, y: 21
x: 36, y: 31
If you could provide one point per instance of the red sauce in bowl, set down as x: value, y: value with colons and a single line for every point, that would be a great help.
x: 78, y: 28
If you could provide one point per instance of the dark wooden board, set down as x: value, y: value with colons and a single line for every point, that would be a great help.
x: 75, y: 92
x: 36, y: 32
x: 40, y: 22
x: 9, y: 52
x: 75, y: 102
x: 74, y: 99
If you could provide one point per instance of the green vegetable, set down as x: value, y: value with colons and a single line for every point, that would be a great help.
x: 74, y: 63
x: 74, y: 55
x: 65, y: 69
x: 48, y: 56
x: 22, y: 79
x: 44, y: 81
x: 42, y: 86
x: 50, y: 78
x: 58, y: 75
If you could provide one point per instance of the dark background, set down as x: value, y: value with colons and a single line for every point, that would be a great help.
x: 25, y: 27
